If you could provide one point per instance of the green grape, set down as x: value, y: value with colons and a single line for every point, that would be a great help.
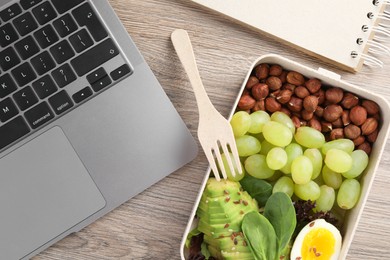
x: 258, y: 136
x: 283, y: 119
x: 284, y: 184
x: 301, y: 170
x: 309, y: 137
x: 341, y: 144
x: 293, y: 150
x: 331, y: 178
x: 266, y: 147
x: 238, y: 177
x: 359, y: 163
x: 348, y: 194
x: 276, y: 158
x: 309, y: 191
x: 315, y: 157
x: 277, y: 133
x: 258, y: 119
x: 240, y: 122
x: 247, y: 145
x: 338, y: 160
x: 256, y: 166
x: 326, y: 200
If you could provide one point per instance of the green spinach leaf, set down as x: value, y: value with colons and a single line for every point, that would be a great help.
x: 260, y: 190
x: 260, y: 236
x: 280, y: 212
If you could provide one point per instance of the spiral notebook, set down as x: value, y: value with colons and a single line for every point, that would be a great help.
x: 348, y: 33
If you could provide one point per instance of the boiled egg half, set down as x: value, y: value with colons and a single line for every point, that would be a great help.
x: 318, y: 240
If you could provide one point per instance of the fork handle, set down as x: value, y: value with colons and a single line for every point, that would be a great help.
x: 182, y: 44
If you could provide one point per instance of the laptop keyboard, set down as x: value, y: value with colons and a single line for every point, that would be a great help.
x: 45, y: 46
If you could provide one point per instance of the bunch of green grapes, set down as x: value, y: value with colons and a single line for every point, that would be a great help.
x: 299, y: 161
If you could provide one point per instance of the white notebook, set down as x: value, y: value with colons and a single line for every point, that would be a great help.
x: 348, y: 33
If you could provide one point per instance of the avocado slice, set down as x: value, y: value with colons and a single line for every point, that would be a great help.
x: 221, y: 210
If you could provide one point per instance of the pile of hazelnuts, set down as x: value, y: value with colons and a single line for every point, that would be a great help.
x: 331, y: 110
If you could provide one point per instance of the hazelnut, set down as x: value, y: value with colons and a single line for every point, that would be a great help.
x: 301, y: 92
x: 284, y: 96
x: 295, y: 78
x: 295, y: 104
x: 345, y: 118
x: 319, y: 111
x: 336, y: 133
x: 338, y: 123
x: 274, y: 83
x: 358, y: 115
x: 275, y: 70
x: 289, y: 86
x: 352, y: 131
x: 359, y: 140
x: 283, y: 76
x: 332, y: 112
x: 310, y: 103
x: 334, y: 95
x: 369, y: 126
x: 262, y: 71
x: 314, y: 123
x: 260, y: 91
x: 371, y: 107
x: 271, y: 105
x: 251, y: 82
x: 286, y: 111
x: 321, y: 96
x: 246, y: 102
x: 313, y: 85
x: 366, y: 147
x: 349, y: 100
x: 307, y: 115
x: 259, y: 105
x: 296, y: 121
x: 373, y: 136
x: 275, y: 93
x: 326, y: 127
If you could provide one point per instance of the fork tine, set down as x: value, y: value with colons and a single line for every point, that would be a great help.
x: 236, y: 156
x: 213, y: 166
x: 228, y: 159
x: 220, y: 162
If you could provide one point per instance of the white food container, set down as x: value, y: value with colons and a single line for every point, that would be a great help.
x: 328, y: 79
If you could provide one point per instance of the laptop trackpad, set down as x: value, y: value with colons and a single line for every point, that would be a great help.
x: 44, y: 191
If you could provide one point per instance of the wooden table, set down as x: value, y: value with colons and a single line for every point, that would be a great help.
x: 151, y: 225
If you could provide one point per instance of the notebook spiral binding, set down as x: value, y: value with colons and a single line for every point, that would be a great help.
x: 381, y: 30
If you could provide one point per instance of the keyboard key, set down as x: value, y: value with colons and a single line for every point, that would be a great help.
x: 26, y: 4
x: 39, y: 115
x: 96, y: 75
x: 27, y: 47
x: 81, y: 40
x: 7, y: 109
x: 60, y: 102
x: 101, y: 83
x: 120, y: 72
x: 63, y: 75
x: 25, y: 24
x: 94, y: 57
x: 7, y: 85
x: 46, y: 36
x: 85, y: 16
x: 23, y: 74
x: 44, y: 87
x: 7, y: 35
x: 10, y: 12
x: 8, y: 59
x: 12, y: 131
x: 65, y: 25
x: 62, y: 51
x: 43, y: 63
x: 82, y: 94
x: 25, y: 98
x: 44, y: 13
x: 64, y: 5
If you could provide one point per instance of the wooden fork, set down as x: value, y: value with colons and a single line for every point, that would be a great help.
x: 214, y: 131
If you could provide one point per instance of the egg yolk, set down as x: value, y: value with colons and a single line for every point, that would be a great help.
x: 318, y: 244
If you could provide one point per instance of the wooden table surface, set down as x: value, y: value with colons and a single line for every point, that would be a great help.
x: 151, y: 225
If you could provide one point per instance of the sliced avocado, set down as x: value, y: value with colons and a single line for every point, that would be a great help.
x: 220, y: 212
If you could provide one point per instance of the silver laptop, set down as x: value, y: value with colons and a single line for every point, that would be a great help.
x: 84, y: 124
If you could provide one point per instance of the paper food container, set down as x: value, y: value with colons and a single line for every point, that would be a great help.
x: 328, y: 79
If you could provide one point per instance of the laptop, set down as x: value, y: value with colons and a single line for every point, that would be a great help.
x: 84, y: 124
